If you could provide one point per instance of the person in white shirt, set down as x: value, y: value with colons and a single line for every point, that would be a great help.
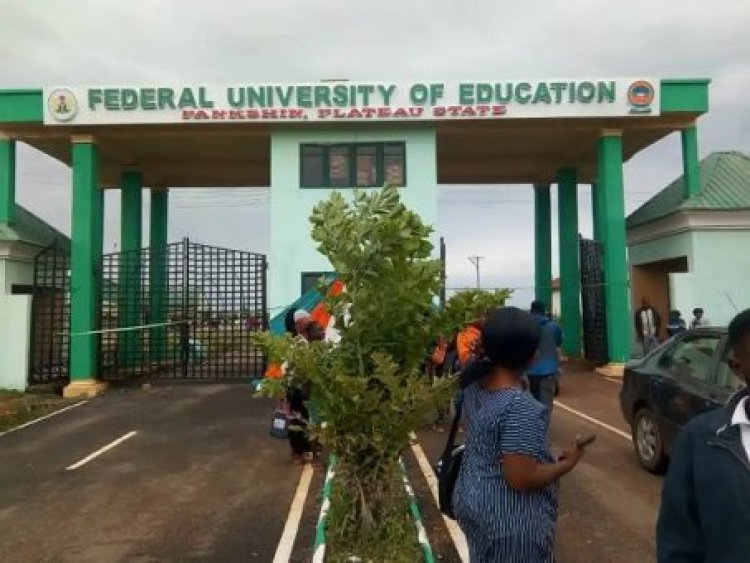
x: 705, y: 510
x: 699, y: 319
x: 647, y: 326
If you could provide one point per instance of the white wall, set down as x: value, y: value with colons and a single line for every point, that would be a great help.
x: 721, y: 275
x: 15, y: 325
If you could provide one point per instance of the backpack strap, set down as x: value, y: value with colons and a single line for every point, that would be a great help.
x: 450, y: 444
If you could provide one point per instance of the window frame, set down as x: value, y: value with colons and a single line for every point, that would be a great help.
x: 318, y: 275
x: 380, y: 152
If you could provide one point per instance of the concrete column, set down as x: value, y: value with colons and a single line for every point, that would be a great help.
x: 86, y: 243
x: 129, y: 305
x: 597, y: 209
x: 7, y: 179
x: 690, y: 163
x: 570, y: 276
x: 543, y: 245
x: 615, y: 260
x: 158, y: 278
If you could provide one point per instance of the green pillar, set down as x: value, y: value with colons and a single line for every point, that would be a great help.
x: 129, y: 275
x: 86, y: 246
x: 615, y: 260
x: 158, y: 278
x: 570, y: 277
x: 543, y: 245
x: 690, y: 163
x: 597, y: 208
x: 7, y: 179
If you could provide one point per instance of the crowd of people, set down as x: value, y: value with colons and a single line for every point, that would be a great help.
x: 648, y: 324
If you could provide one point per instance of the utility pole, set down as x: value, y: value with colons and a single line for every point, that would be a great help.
x: 475, y: 260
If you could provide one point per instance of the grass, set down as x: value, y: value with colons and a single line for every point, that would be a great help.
x: 394, y: 539
x: 17, y: 408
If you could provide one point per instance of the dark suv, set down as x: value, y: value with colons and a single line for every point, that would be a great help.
x: 660, y: 393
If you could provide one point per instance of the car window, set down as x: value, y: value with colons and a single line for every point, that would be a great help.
x: 727, y: 378
x: 692, y: 357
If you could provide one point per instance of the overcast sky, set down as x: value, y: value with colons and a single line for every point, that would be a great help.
x: 99, y: 42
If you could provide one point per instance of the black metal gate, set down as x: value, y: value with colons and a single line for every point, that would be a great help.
x: 593, y: 301
x: 50, y: 317
x: 184, y: 312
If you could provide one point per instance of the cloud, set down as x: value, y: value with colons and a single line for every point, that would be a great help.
x: 86, y: 41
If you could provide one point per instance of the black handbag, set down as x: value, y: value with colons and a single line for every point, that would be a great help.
x: 449, y: 467
x: 280, y: 422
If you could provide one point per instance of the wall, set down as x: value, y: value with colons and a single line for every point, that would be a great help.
x: 292, y: 249
x: 666, y: 248
x: 15, y: 325
x: 721, y: 274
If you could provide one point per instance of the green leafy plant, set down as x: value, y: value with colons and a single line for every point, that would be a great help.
x: 369, y: 388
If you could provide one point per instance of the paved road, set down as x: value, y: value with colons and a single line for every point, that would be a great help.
x: 608, y: 505
x: 200, y: 481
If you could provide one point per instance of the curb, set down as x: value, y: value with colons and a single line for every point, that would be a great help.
x: 424, y: 541
x: 319, y: 549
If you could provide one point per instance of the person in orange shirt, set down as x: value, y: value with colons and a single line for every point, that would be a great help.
x: 468, y: 343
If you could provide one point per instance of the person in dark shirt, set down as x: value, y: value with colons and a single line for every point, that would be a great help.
x: 543, y: 373
x: 676, y: 323
x: 705, y: 509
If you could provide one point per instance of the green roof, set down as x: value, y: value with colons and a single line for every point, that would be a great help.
x: 30, y: 229
x: 724, y: 186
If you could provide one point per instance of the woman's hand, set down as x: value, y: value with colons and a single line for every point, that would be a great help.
x: 570, y: 457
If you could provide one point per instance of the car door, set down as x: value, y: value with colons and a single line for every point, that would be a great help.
x: 684, y: 385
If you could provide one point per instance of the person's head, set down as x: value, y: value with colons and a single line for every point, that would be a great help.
x: 301, y: 321
x: 739, y: 345
x: 645, y: 302
x: 315, y: 332
x: 698, y: 313
x: 675, y: 314
x: 537, y: 308
x: 510, y: 338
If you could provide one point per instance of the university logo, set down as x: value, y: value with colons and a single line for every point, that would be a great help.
x: 640, y: 97
x: 62, y: 104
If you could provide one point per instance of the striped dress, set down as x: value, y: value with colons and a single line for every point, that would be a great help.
x: 500, y: 523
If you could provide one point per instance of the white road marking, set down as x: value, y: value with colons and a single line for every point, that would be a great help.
x: 594, y: 421
x: 100, y: 451
x: 286, y: 543
x: 45, y: 417
x: 459, y: 540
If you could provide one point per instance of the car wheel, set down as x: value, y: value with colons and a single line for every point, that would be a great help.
x: 648, y: 442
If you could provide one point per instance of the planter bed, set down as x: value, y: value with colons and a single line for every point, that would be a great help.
x: 319, y: 551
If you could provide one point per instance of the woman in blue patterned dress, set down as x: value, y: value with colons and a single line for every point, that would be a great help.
x: 506, y: 495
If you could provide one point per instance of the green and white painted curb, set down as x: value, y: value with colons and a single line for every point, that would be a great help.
x: 424, y: 541
x: 319, y: 551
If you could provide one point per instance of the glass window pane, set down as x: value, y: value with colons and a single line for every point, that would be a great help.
x: 393, y: 165
x: 312, y: 166
x: 694, y: 358
x: 367, y: 166
x: 338, y: 170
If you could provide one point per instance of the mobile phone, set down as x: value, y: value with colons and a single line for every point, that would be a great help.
x: 583, y: 441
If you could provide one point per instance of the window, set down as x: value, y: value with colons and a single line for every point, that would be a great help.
x: 310, y: 280
x: 312, y: 165
x: 692, y: 357
x: 21, y: 289
x: 362, y: 165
